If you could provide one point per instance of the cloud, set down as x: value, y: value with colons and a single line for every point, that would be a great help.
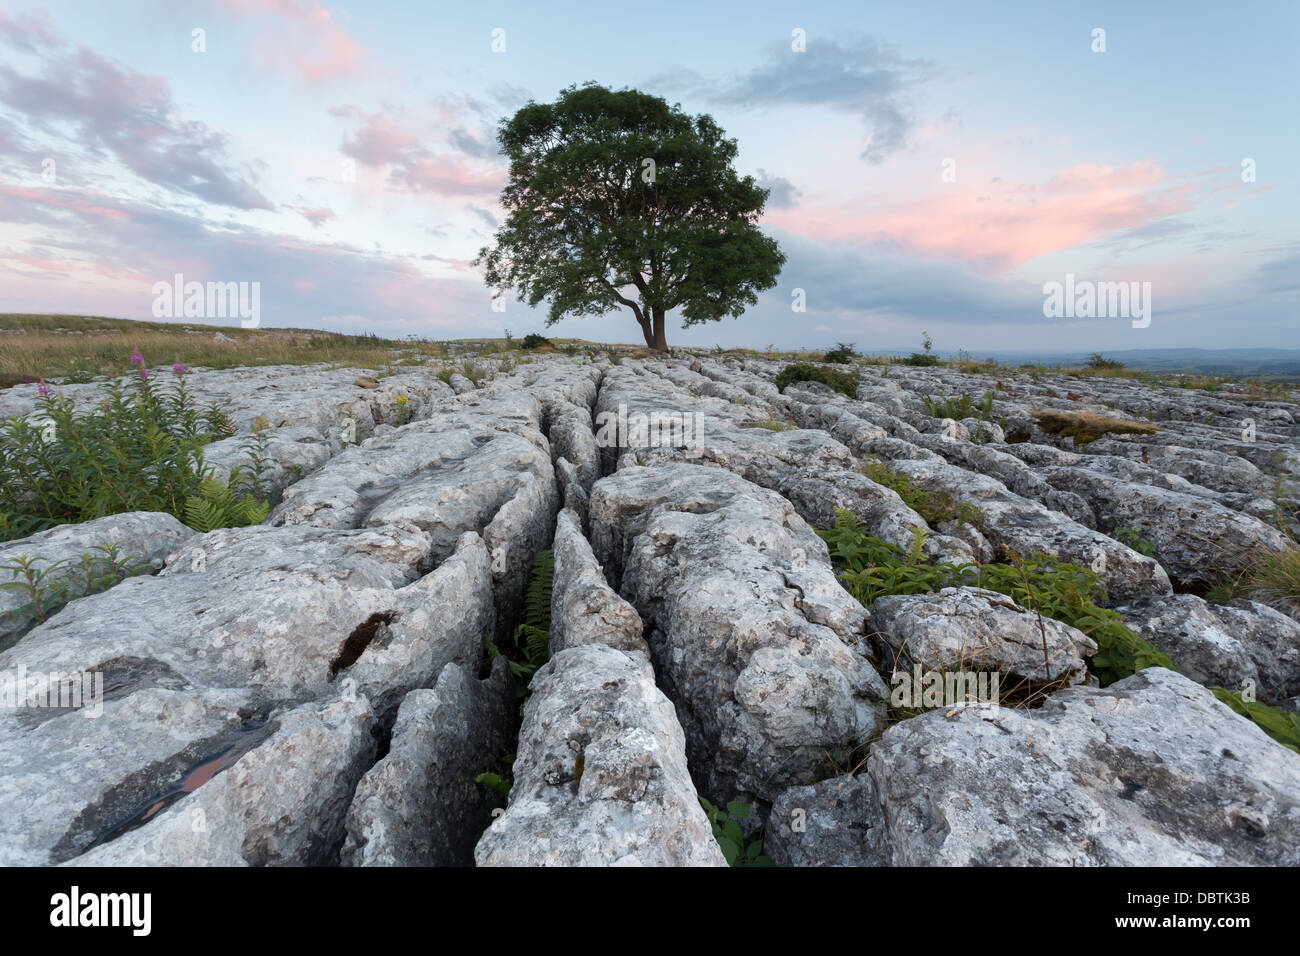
x: 1001, y: 225
x: 100, y: 108
x: 485, y: 215
x: 302, y: 34
x: 380, y: 142
x: 29, y: 31
x: 783, y: 192
x: 106, y: 254
x: 472, y: 144
x: 316, y: 217
x: 865, y: 76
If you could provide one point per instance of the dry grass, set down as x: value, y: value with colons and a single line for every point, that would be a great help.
x: 1084, y: 427
x: 83, y: 347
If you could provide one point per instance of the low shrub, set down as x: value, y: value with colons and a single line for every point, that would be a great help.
x: 962, y: 406
x: 529, y: 645
x: 842, y: 354
x: 841, y: 382
x: 139, y: 448
x: 871, y: 569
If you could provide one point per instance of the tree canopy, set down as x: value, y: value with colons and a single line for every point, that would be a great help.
x: 618, y: 200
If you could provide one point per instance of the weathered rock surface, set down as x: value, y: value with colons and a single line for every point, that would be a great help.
x: 420, y: 806
x: 1151, y: 771
x: 601, y: 776
x: 584, y: 608
x: 973, y: 629
x: 248, y: 687
x: 760, y: 649
x: 1244, y: 644
x: 141, y: 540
x: 280, y: 804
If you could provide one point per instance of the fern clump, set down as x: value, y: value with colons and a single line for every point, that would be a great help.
x: 935, y: 507
x: 218, y: 505
x: 530, y: 645
x: 871, y: 569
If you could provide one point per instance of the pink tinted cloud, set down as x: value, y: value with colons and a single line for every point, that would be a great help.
x: 303, y: 33
x: 381, y: 141
x: 1001, y: 225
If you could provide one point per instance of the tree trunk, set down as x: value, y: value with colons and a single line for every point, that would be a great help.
x: 648, y: 331
x: 660, y: 343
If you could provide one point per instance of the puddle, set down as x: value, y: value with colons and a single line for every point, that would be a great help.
x: 120, y: 811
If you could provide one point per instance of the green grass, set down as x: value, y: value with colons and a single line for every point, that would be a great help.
x: 962, y: 406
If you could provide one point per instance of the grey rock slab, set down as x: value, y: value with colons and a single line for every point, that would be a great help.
x: 759, y: 647
x: 1227, y: 645
x: 420, y: 806
x: 601, y: 777
x: 974, y: 629
x: 584, y: 608
x: 143, y: 539
x: 1150, y: 771
x: 282, y: 803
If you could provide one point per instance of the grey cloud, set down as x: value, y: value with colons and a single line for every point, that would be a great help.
x: 783, y: 193
x: 866, y: 76
x: 130, y: 117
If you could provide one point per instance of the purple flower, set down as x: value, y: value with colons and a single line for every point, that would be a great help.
x: 144, y: 374
x: 137, y: 358
x: 43, y: 389
x: 178, y: 369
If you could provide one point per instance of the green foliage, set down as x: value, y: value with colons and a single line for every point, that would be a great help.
x: 962, y: 406
x: 1132, y: 537
x: 921, y: 358
x: 772, y: 425
x: 842, y: 354
x: 218, y: 505
x: 871, y: 568
x: 935, y: 507
x: 841, y: 382
x: 529, y: 646
x: 1283, y: 726
x: 533, y: 341
x: 80, y: 371
x: 730, y: 837
x: 494, y: 781
x: 1098, y: 361
x: 586, y: 220
x: 139, y: 448
x: 49, y: 586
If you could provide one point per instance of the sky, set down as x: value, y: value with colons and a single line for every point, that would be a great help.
x: 932, y: 165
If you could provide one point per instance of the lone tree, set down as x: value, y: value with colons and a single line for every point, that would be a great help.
x: 617, y: 199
